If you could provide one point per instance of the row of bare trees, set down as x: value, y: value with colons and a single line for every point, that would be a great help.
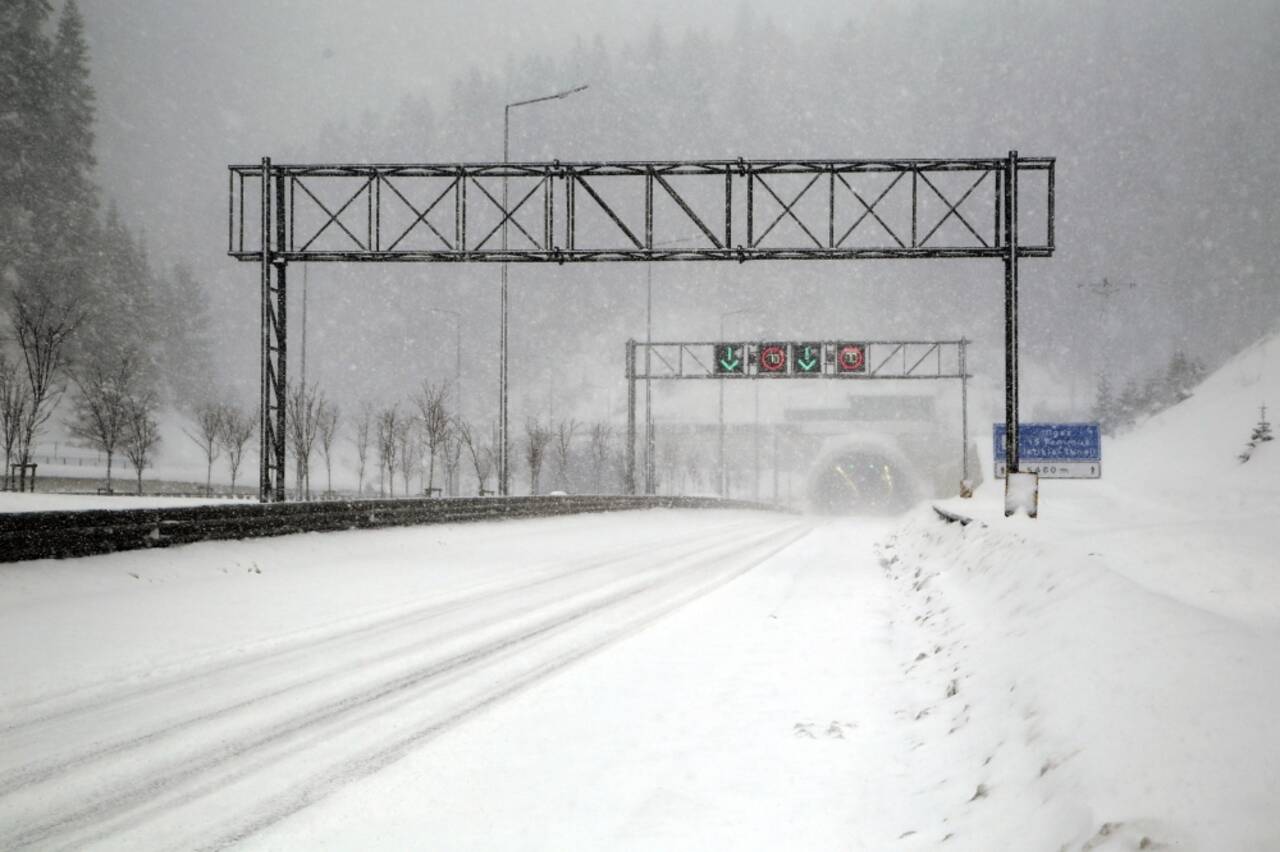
x: 426, y: 438
x: 113, y: 410
x: 222, y: 427
x: 422, y: 438
x: 310, y: 417
x: 602, y: 463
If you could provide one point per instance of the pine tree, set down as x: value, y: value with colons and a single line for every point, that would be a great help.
x: 25, y: 56
x: 1262, y: 431
x: 1181, y: 377
x: 184, y: 347
x: 1261, y: 434
x: 1104, y: 405
x: 73, y: 195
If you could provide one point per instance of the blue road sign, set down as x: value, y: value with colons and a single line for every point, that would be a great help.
x: 1054, y: 450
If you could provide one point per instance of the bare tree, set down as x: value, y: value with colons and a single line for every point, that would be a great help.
x: 207, y: 417
x: 14, y: 396
x: 388, y: 427
x: 481, y: 455
x: 537, y: 437
x: 42, y: 323
x: 327, y: 427
x: 565, y: 430
x: 452, y: 458
x: 669, y: 464
x: 363, y: 429
x: 302, y: 404
x: 102, y: 404
x: 142, y: 433
x: 433, y: 408
x: 238, y: 427
x: 601, y: 436
x: 408, y: 451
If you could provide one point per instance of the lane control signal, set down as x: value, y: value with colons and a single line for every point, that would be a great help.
x: 730, y: 359
x: 806, y: 359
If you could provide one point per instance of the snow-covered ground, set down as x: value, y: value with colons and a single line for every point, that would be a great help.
x: 1102, y: 678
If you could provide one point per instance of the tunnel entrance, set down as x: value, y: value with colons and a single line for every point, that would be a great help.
x: 862, y: 480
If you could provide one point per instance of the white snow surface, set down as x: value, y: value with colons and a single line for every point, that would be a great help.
x: 1104, y: 677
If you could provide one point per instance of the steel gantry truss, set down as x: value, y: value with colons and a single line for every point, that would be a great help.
x: 884, y: 359
x: 722, y: 210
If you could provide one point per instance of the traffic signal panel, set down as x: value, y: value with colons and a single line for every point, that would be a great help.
x: 730, y: 359
x: 806, y: 359
x: 772, y: 359
x: 851, y: 357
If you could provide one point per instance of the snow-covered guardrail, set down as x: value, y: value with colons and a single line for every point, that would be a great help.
x: 45, y: 535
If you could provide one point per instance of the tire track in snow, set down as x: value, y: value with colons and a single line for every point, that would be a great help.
x: 380, y: 698
x: 95, y: 702
x: 30, y: 774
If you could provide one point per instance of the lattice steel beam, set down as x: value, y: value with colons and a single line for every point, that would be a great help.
x: 623, y: 211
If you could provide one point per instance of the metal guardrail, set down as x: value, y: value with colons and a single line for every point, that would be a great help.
x: 953, y: 517
x: 53, y: 535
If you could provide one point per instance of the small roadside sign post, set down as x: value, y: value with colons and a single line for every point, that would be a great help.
x: 1053, y: 450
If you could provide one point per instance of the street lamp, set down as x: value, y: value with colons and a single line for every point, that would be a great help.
x: 724, y: 485
x: 503, y: 442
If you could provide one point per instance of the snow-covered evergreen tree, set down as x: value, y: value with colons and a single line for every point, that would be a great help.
x: 1262, y: 431
x: 1261, y: 435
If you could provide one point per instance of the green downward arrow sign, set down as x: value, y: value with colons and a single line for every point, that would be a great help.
x: 807, y: 361
x: 730, y: 365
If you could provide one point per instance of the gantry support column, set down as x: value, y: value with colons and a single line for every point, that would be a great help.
x: 966, y: 484
x: 1011, y: 312
x: 631, y: 418
x: 274, y: 340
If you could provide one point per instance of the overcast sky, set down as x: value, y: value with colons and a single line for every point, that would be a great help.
x: 1162, y: 114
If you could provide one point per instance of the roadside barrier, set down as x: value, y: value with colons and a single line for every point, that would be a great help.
x: 53, y: 535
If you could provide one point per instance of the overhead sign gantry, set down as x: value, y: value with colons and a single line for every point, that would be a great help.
x: 866, y: 360
x: 721, y: 210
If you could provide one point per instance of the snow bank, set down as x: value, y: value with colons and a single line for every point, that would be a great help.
x: 1110, y: 670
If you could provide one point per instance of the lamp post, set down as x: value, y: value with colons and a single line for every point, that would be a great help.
x: 724, y: 485
x: 503, y: 441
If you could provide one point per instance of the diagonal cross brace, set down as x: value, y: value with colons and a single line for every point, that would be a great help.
x: 508, y: 215
x: 333, y: 217
x: 421, y: 215
x: 786, y: 210
x: 952, y: 209
x: 870, y: 210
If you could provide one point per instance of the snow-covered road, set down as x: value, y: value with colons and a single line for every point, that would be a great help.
x: 215, y: 744
x: 659, y: 680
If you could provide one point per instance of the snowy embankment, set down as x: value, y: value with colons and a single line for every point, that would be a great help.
x: 1112, y: 669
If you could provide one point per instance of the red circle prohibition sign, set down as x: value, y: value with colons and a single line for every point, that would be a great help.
x: 773, y: 359
x: 851, y: 358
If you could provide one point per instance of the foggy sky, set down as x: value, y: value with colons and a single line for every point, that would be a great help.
x: 1161, y: 115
